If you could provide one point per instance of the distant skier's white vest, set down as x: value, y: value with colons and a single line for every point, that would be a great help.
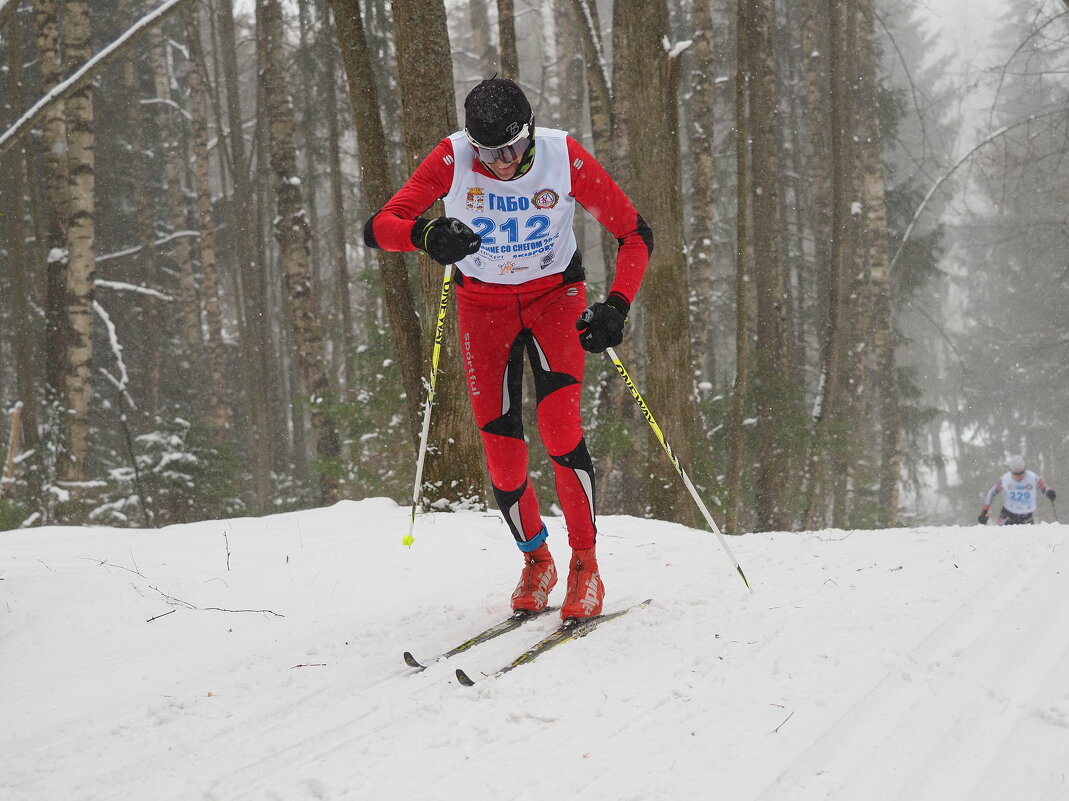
x: 1019, y: 497
x: 525, y: 224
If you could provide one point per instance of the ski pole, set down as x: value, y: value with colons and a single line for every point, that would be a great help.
x: 675, y: 460
x: 439, y: 330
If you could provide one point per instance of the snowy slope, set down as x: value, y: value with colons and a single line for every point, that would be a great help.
x: 261, y: 659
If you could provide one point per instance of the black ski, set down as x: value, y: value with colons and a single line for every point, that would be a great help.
x: 570, y: 629
x: 513, y: 621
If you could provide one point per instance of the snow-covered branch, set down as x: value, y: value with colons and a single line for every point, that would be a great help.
x: 89, y: 70
x: 122, y: 286
x: 113, y: 339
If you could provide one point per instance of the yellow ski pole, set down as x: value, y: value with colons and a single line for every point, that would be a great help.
x: 439, y: 330
x: 675, y: 460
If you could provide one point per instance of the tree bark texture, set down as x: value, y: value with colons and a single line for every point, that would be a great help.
x: 454, y: 472
x: 375, y: 178
x: 771, y: 390
x: 293, y: 231
x: 255, y: 343
x: 54, y: 144
x: 219, y: 415
x: 651, y: 80
x: 506, y: 37
x: 78, y: 383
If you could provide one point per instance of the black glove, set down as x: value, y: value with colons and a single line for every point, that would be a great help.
x: 983, y: 518
x: 447, y: 240
x: 1051, y: 494
x: 602, y: 325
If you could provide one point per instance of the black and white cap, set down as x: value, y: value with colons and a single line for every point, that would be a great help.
x: 495, y: 113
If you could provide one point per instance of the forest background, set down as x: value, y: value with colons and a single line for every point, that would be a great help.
x: 864, y: 243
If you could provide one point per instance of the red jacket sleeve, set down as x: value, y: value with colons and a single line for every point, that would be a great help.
x: 596, y: 191
x: 391, y: 227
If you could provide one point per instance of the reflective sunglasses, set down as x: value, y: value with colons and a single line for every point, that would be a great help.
x: 508, y: 152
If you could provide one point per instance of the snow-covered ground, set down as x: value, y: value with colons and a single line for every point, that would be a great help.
x: 261, y: 659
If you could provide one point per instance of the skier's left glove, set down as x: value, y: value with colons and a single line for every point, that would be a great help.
x: 982, y: 519
x: 447, y: 240
x: 1051, y: 494
x: 602, y: 325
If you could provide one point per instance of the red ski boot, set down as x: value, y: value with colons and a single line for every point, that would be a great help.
x: 585, y: 589
x: 537, y: 580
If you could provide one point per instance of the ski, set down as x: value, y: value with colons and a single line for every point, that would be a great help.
x: 513, y: 621
x: 570, y: 629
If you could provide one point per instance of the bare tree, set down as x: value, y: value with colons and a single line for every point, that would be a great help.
x: 14, y: 166
x: 256, y: 345
x: 700, y: 119
x: 293, y: 231
x: 78, y: 383
x: 745, y: 292
x: 506, y: 37
x: 374, y: 174
x: 771, y: 388
x: 649, y: 76
x: 175, y: 194
x: 219, y: 414
x: 54, y: 144
x: 454, y: 470
x: 484, y: 44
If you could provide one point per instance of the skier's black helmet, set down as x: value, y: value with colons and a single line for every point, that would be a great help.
x: 495, y: 112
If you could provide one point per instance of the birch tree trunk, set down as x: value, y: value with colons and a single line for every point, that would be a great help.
x: 292, y: 231
x: 54, y: 145
x: 78, y: 384
x: 22, y: 296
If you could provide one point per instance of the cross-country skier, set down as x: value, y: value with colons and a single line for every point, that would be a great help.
x: 1020, y: 488
x: 510, y: 191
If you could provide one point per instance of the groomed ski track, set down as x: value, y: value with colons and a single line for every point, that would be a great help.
x: 903, y: 664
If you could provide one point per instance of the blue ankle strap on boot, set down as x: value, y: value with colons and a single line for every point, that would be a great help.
x: 535, y: 542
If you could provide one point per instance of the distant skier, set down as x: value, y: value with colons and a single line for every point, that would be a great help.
x: 1020, y: 488
x: 510, y: 192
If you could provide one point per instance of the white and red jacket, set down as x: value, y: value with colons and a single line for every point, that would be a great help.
x: 525, y: 223
x: 1019, y: 495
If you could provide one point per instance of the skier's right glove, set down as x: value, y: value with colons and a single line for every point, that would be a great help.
x: 447, y: 240
x: 1052, y: 494
x: 602, y: 325
x: 983, y: 518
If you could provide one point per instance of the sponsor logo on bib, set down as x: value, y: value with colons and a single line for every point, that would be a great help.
x: 545, y: 199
